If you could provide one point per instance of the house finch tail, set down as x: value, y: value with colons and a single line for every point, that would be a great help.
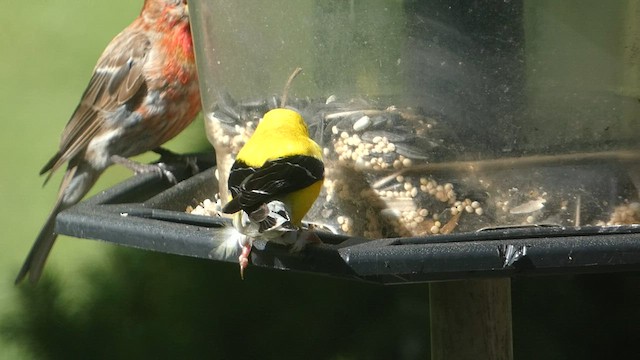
x: 143, y: 92
x: 76, y: 183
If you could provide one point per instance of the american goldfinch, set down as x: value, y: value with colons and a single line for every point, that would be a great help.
x: 275, y: 179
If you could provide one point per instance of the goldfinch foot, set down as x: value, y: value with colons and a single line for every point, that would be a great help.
x: 243, y: 259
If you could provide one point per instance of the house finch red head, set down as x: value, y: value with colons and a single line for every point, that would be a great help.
x: 143, y: 92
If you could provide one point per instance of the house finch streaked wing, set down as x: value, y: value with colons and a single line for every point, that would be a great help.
x: 143, y: 92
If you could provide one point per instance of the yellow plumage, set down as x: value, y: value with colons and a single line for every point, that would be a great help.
x: 282, y: 134
x: 275, y: 179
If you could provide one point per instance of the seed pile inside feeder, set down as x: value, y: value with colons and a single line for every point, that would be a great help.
x: 392, y: 171
x: 369, y: 153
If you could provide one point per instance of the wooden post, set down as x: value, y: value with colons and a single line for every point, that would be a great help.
x: 471, y: 319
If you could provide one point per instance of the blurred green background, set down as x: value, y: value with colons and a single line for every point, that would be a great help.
x: 49, y: 49
x: 101, y: 301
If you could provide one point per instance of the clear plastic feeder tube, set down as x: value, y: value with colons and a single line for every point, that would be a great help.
x: 437, y: 117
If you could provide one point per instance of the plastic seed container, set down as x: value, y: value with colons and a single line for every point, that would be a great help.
x: 437, y: 117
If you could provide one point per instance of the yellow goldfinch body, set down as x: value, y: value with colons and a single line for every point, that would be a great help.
x: 279, y: 164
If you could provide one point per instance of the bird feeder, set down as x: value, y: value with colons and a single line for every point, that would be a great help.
x: 467, y: 141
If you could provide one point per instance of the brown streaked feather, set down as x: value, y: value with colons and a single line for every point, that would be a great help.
x: 115, y: 81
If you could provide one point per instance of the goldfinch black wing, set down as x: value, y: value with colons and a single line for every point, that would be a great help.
x: 238, y: 173
x: 250, y: 187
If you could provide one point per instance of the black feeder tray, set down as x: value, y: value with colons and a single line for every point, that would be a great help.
x: 147, y: 212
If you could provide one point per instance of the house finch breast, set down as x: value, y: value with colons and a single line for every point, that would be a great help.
x: 143, y: 92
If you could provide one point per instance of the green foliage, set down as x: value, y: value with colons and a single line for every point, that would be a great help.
x: 150, y: 305
x: 593, y: 316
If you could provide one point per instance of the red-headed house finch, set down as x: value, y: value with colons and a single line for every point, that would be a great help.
x: 143, y: 92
